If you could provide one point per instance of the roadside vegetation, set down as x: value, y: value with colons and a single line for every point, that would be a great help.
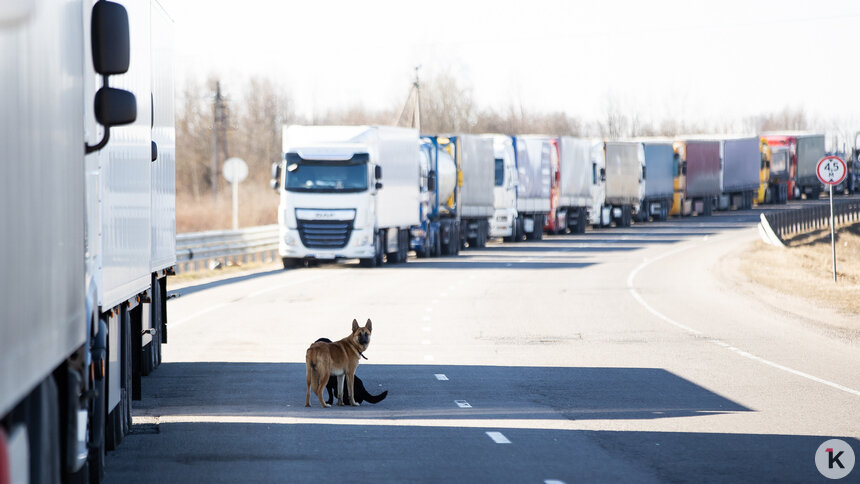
x: 804, y: 268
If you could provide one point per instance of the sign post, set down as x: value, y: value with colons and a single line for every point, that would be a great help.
x: 831, y: 170
x: 235, y: 170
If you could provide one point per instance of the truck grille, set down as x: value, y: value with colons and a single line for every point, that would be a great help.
x: 324, y: 234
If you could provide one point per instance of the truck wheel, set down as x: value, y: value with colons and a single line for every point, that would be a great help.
x: 289, y: 262
x: 707, y: 207
x: 42, y: 425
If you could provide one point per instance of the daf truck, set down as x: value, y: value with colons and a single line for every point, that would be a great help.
x: 347, y: 192
x: 88, y: 217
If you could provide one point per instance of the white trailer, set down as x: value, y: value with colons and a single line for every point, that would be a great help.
x: 347, y: 192
x: 77, y: 246
x: 599, y: 213
x: 624, y: 167
x: 533, y: 190
x: 576, y: 177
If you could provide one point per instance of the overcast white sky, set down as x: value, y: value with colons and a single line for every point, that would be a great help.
x: 685, y: 59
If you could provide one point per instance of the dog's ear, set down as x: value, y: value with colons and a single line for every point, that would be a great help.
x: 369, y: 325
x: 354, y: 325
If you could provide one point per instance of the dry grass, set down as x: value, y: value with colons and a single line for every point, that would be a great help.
x: 804, y: 268
x: 257, y: 206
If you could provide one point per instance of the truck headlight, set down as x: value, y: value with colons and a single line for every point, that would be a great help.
x: 290, y: 240
x: 364, y: 240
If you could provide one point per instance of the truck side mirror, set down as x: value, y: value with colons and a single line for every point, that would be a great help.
x: 684, y: 168
x: 377, y: 172
x: 603, y: 174
x: 379, y: 185
x: 110, y: 38
x: 115, y: 107
x: 111, y: 52
x: 431, y: 180
x: 643, y: 173
x: 275, y: 182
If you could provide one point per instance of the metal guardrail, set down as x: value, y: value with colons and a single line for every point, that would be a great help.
x: 198, y: 250
x: 775, y: 227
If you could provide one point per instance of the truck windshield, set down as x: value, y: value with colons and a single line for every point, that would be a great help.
x: 326, y: 176
x: 500, y: 172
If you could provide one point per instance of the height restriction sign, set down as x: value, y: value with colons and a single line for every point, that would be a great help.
x: 831, y: 170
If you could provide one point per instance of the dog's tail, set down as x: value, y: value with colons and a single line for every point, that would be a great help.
x: 376, y: 398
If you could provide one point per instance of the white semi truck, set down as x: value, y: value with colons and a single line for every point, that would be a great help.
x: 88, y: 226
x: 504, y: 222
x: 347, y: 192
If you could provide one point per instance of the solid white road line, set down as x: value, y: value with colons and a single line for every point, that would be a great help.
x: 640, y: 300
x: 498, y: 437
x: 462, y: 404
x: 552, y: 481
x: 441, y: 377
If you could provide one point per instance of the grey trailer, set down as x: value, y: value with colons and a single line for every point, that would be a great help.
x: 810, y: 149
x: 658, y: 177
x: 740, y: 175
x: 475, y: 158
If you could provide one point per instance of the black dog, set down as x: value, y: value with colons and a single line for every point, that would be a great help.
x: 361, y: 393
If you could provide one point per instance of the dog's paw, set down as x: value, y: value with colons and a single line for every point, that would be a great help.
x: 325, y: 405
x: 355, y: 404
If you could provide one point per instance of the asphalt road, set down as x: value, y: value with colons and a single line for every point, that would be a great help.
x: 621, y: 355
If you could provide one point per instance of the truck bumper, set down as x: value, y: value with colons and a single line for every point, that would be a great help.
x: 360, y: 245
x: 502, y: 223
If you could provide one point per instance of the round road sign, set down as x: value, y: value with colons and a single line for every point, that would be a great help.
x: 235, y: 170
x: 831, y: 170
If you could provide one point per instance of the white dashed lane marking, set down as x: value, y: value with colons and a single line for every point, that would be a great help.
x: 498, y: 437
x: 441, y: 377
x: 462, y: 404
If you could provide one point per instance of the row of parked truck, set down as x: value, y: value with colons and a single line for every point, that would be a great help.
x: 440, y: 194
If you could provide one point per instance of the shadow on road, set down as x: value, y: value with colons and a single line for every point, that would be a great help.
x: 184, y: 291
x: 493, y: 392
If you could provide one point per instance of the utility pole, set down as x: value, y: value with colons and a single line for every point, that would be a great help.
x: 219, y: 128
x: 413, y: 104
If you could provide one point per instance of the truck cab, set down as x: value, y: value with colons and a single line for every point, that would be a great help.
x: 504, y: 221
x: 599, y: 214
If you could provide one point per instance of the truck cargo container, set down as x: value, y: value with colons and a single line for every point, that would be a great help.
x: 534, y: 162
x: 625, y: 161
x: 698, y: 176
x: 805, y: 149
x: 438, y: 231
x: 740, y: 176
x: 475, y: 161
x: 571, y: 185
x: 334, y: 202
x: 504, y: 222
x: 657, y: 180
x: 88, y: 210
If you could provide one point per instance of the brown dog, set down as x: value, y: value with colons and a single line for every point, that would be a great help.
x: 339, y: 359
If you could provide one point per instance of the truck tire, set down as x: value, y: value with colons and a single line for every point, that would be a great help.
x: 707, y: 207
x: 43, y: 423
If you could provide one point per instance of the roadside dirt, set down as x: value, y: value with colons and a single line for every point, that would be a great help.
x: 799, y: 279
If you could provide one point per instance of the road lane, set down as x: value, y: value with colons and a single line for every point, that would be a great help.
x: 544, y: 340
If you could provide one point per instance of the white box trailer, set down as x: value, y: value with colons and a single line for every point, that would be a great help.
x: 533, y: 188
x: 575, y: 162
x: 624, y: 163
x: 347, y: 192
x: 76, y: 243
x: 475, y: 160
